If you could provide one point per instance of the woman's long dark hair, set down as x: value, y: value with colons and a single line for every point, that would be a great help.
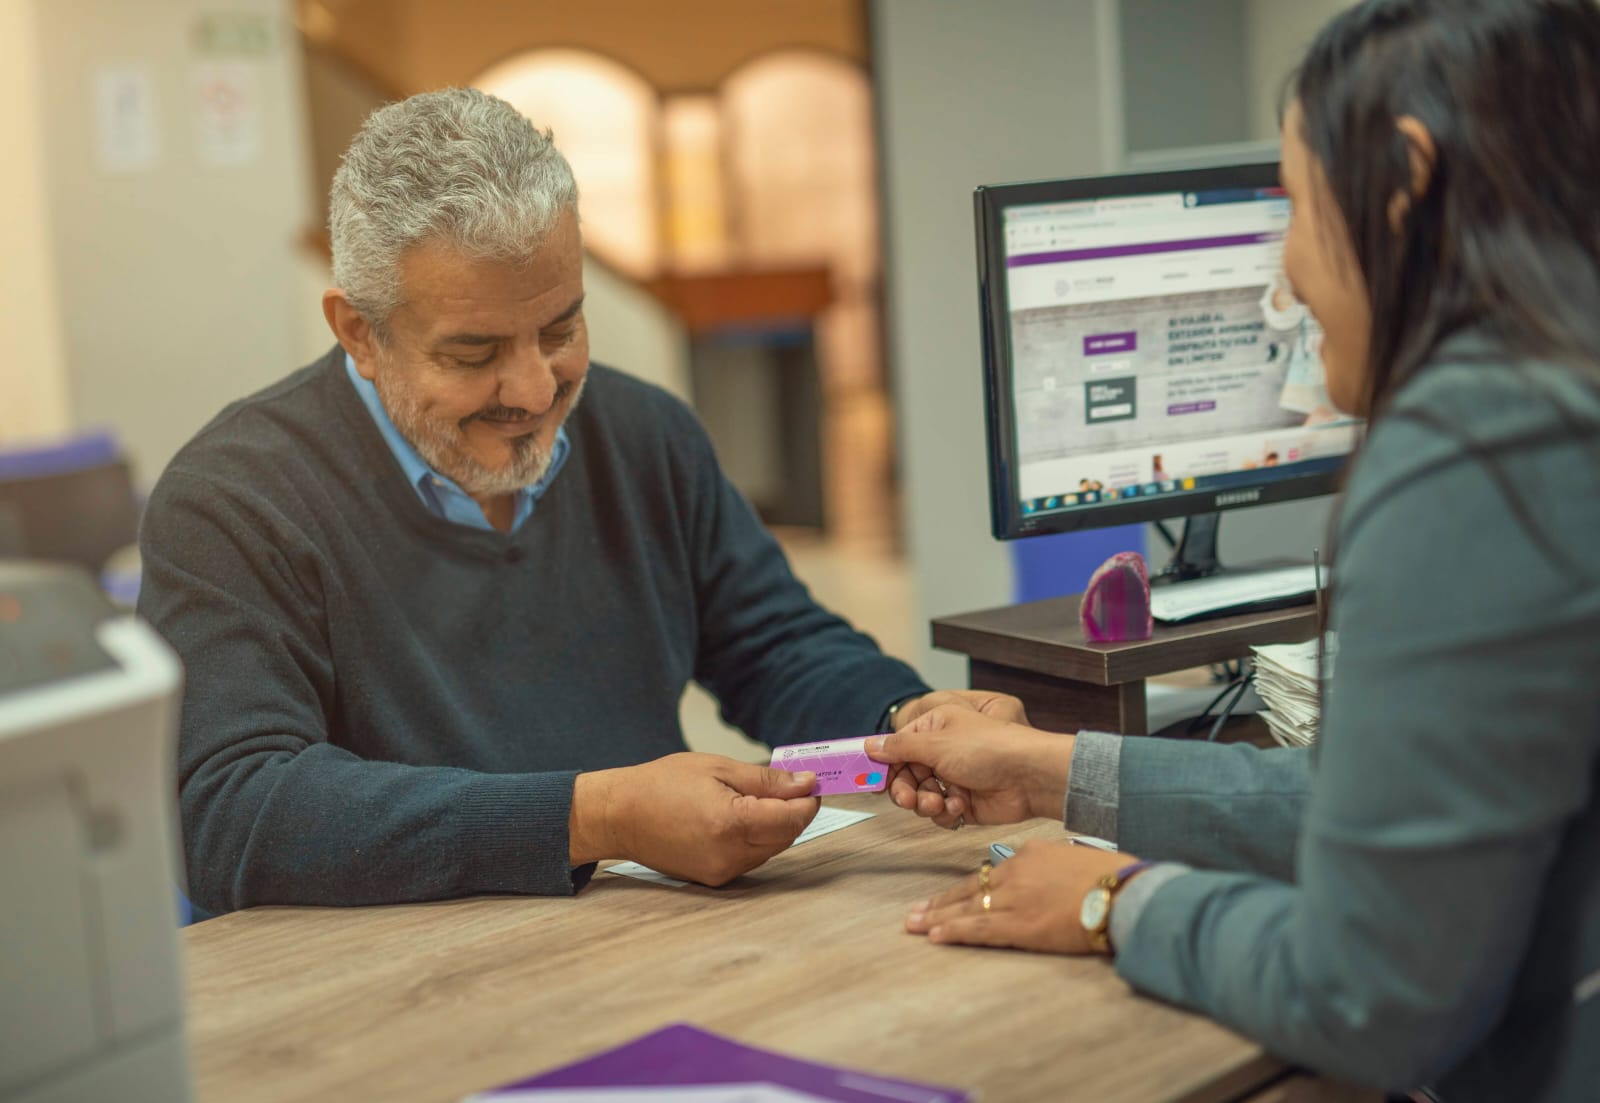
x: 1507, y: 235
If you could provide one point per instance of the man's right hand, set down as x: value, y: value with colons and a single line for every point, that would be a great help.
x: 699, y: 817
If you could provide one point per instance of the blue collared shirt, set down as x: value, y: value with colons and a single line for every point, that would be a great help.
x: 441, y: 496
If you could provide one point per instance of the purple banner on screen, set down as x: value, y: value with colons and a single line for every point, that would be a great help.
x: 1191, y: 408
x: 1144, y: 249
x: 1098, y: 344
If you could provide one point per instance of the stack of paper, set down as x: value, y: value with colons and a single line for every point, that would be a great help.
x: 1286, y: 679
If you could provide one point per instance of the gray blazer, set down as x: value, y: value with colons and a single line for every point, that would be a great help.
x: 1418, y: 902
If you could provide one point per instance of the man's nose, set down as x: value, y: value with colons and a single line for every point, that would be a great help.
x: 528, y: 381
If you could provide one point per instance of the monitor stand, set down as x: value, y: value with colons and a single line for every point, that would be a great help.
x: 1196, y: 557
x: 1196, y: 553
x: 1223, y: 591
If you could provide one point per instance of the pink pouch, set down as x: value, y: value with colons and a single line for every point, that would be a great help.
x: 1116, y: 606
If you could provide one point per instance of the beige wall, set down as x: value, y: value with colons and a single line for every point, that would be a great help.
x: 1185, y: 77
x: 1279, y: 32
x: 339, y: 99
x: 630, y: 330
x: 33, y: 377
x: 180, y: 282
x: 416, y: 45
x: 968, y: 99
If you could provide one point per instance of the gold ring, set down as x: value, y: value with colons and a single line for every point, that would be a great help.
x: 983, y: 879
x: 987, y: 898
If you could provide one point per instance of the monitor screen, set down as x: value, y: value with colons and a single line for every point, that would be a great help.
x: 1144, y: 355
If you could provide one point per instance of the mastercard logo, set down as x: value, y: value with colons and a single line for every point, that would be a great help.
x: 864, y: 780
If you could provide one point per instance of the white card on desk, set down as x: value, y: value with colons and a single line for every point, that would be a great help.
x: 828, y: 820
x: 1090, y: 840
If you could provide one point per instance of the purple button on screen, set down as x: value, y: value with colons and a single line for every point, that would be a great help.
x: 1191, y: 408
x: 1098, y: 344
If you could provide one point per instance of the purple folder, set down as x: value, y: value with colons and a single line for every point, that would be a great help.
x: 685, y: 1055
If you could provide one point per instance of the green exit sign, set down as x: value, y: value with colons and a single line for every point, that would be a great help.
x: 234, y: 34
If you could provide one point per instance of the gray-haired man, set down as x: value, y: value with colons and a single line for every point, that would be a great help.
x: 437, y: 616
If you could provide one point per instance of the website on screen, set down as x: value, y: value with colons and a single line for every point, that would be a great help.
x: 1155, y: 347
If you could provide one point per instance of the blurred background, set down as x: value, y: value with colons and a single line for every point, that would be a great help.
x: 776, y: 197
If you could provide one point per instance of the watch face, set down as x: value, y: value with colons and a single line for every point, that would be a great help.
x: 1096, y: 909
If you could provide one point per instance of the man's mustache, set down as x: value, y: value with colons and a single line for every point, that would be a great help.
x: 498, y: 413
x: 516, y: 413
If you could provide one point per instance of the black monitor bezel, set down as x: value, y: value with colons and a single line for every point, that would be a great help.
x: 1007, y: 522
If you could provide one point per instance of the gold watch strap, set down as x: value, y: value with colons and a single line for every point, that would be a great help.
x: 1113, y: 883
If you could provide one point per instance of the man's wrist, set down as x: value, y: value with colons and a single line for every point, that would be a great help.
x: 1050, y: 773
x: 888, y: 722
x: 592, y: 824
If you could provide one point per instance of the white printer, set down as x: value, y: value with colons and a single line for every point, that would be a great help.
x: 91, y: 994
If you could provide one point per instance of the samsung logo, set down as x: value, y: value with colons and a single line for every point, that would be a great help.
x: 1238, y: 497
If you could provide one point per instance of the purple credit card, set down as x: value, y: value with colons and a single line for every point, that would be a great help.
x: 841, y: 766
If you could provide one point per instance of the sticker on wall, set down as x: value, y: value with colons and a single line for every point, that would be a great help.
x: 234, y: 34
x: 227, y: 112
x: 126, y: 138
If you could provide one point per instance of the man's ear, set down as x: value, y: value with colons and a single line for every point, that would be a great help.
x: 1423, y: 154
x: 352, y: 330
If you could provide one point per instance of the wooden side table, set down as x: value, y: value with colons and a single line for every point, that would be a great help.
x: 1038, y: 652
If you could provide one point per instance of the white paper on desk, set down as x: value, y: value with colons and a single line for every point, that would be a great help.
x: 1287, y: 678
x: 694, y: 1093
x: 1092, y: 841
x: 1296, y: 659
x: 828, y: 821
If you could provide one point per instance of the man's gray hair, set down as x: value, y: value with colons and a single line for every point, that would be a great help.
x: 456, y: 165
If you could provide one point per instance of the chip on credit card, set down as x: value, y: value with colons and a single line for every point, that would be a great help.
x: 841, y: 766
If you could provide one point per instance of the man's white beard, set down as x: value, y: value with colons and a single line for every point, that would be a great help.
x: 443, y: 445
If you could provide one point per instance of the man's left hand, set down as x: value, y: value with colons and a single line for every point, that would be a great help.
x: 1001, y: 706
x: 914, y: 787
x: 1035, y: 900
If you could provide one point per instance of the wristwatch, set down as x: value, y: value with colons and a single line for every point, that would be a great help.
x: 886, y: 723
x: 1095, y: 915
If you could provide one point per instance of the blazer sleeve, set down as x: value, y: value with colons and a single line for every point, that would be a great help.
x: 1457, y: 748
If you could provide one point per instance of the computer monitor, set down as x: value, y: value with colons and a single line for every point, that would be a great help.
x: 1145, y: 359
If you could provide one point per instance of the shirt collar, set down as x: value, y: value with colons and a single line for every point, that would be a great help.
x: 440, y: 495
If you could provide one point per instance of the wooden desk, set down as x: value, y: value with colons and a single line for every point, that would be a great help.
x: 807, y: 955
x: 1038, y: 652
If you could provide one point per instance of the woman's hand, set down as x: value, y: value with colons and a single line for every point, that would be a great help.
x: 966, y: 765
x: 1035, y: 901
x: 913, y: 786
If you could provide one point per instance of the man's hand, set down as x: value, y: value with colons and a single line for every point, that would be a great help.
x: 992, y: 771
x: 913, y: 786
x: 1001, y: 706
x: 699, y: 817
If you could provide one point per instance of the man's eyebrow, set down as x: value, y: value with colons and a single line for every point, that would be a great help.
x: 494, y: 339
x: 567, y: 314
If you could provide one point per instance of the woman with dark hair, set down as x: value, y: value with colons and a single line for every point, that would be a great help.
x: 1417, y: 901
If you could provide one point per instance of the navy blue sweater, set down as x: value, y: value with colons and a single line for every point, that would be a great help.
x: 382, y: 706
